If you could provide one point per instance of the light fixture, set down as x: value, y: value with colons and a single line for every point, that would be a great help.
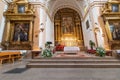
x: 41, y: 29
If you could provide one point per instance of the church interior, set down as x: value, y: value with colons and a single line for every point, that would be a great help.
x: 60, y: 32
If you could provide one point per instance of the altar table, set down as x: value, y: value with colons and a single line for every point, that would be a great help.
x: 71, y: 49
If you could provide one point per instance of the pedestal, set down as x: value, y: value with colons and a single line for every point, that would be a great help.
x: 35, y: 53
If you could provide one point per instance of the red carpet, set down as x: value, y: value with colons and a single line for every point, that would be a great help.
x: 80, y: 54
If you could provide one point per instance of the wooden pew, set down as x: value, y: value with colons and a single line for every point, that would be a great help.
x: 15, y: 55
x: 4, y: 56
x: 10, y: 56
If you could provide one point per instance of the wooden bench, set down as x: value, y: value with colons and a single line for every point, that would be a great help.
x: 4, y: 57
x: 15, y: 55
x: 10, y: 56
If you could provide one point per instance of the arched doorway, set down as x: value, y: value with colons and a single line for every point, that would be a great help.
x: 67, y: 28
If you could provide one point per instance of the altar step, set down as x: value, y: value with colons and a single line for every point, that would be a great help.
x: 74, y: 63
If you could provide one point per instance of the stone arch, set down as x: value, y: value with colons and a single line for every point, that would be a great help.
x: 66, y: 6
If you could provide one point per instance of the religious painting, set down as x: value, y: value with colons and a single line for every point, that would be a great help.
x: 67, y: 25
x: 21, y: 31
x: 115, y: 8
x: 115, y: 30
x: 21, y: 8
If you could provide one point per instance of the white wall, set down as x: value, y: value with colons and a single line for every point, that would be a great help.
x: 42, y: 35
x: 49, y: 30
x: 3, y: 8
x: 96, y: 14
x: 93, y: 17
x: 88, y: 34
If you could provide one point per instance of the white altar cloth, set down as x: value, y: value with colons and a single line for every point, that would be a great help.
x: 71, y: 49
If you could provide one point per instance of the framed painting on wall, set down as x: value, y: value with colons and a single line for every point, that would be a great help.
x: 21, y: 8
x: 21, y: 32
x: 115, y: 30
x: 115, y: 8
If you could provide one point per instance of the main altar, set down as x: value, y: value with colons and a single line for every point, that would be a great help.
x: 68, y: 29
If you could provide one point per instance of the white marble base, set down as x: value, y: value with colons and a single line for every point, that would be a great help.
x: 71, y: 49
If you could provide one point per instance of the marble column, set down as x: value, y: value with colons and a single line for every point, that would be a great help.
x: 30, y: 31
x: 7, y: 30
x: 42, y: 34
x: 49, y: 30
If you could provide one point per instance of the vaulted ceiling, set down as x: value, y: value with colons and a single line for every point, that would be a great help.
x: 55, y: 5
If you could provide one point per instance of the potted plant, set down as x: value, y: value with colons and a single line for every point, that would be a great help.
x: 47, y: 51
x: 92, y: 44
x: 100, y: 51
x: 48, y: 43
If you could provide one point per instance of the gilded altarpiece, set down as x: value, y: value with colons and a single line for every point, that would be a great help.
x: 18, y: 31
x: 111, y: 15
x: 68, y: 29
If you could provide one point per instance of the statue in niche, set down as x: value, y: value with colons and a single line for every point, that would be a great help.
x: 67, y: 25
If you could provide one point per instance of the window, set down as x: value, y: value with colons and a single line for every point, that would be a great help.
x: 115, y: 8
x: 21, y: 8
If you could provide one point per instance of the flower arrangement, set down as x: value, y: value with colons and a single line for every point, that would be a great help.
x: 100, y: 51
x: 47, y: 51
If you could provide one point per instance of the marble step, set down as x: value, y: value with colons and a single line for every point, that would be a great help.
x: 73, y: 65
x: 74, y: 61
x: 76, y: 58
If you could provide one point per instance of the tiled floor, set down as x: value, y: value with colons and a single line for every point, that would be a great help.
x: 18, y: 71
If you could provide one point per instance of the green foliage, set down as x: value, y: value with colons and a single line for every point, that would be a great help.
x: 46, y: 44
x: 47, y: 53
x: 100, y: 51
x: 92, y: 44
